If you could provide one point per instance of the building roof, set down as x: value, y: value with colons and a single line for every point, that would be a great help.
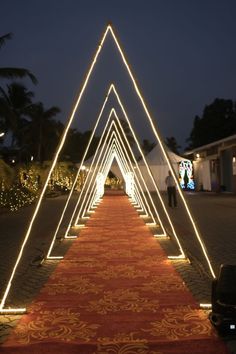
x: 217, y: 142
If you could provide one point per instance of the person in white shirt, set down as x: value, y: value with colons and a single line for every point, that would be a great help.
x: 171, y: 190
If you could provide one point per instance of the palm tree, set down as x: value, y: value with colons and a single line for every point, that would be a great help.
x: 14, y: 103
x: 172, y: 144
x: 147, y: 146
x: 11, y: 73
x: 43, y: 132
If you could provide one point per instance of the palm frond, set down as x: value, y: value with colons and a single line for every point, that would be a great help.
x: 4, y: 38
x: 12, y: 73
x: 51, y: 112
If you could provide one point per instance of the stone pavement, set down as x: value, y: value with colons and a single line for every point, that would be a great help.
x: 214, y: 215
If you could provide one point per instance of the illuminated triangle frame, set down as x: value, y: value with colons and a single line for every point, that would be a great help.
x: 118, y: 154
x: 94, y: 173
x: 78, y: 172
x: 150, y: 198
x: 182, y: 255
x: 111, y: 155
x: 109, y: 30
x: 81, y: 194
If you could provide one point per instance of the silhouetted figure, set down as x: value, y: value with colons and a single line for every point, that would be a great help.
x: 171, y: 191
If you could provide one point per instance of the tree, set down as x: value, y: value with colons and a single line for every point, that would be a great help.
x: 217, y: 122
x: 42, y: 132
x: 172, y: 144
x: 11, y: 73
x: 147, y: 146
x: 76, y: 143
x: 14, y: 103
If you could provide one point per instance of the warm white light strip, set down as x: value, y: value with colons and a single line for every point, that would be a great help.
x: 121, y: 162
x: 106, y: 168
x: 108, y: 29
x: 78, y: 172
x: 136, y: 164
x: 206, y: 306
x: 94, y: 195
x: 204, y: 250
x: 131, y: 150
x: 149, y: 172
x: 83, y: 187
x: 112, y: 111
x: 2, y: 304
x: 111, y: 87
x: 91, y: 164
x: 178, y: 257
x: 10, y: 311
x: 84, y: 208
x: 132, y: 168
x: 128, y: 158
x: 137, y: 199
x: 91, y: 179
x: 121, y: 141
x: 105, y: 174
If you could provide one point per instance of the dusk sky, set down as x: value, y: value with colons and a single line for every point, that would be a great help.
x: 183, y: 54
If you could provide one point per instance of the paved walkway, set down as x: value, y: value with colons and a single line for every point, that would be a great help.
x: 115, y: 291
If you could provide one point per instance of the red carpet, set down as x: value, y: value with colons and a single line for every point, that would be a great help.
x: 115, y: 292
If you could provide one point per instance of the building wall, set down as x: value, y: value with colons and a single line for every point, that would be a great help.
x: 234, y: 169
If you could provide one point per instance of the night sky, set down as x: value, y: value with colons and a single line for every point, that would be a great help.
x: 183, y: 54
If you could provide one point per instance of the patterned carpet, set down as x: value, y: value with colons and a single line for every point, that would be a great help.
x: 114, y: 292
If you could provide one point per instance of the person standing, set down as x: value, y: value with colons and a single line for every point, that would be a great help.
x: 171, y: 190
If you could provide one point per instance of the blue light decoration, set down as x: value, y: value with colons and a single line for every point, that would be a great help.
x: 186, y: 175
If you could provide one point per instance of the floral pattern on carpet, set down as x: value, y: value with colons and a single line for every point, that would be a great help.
x: 115, y: 292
